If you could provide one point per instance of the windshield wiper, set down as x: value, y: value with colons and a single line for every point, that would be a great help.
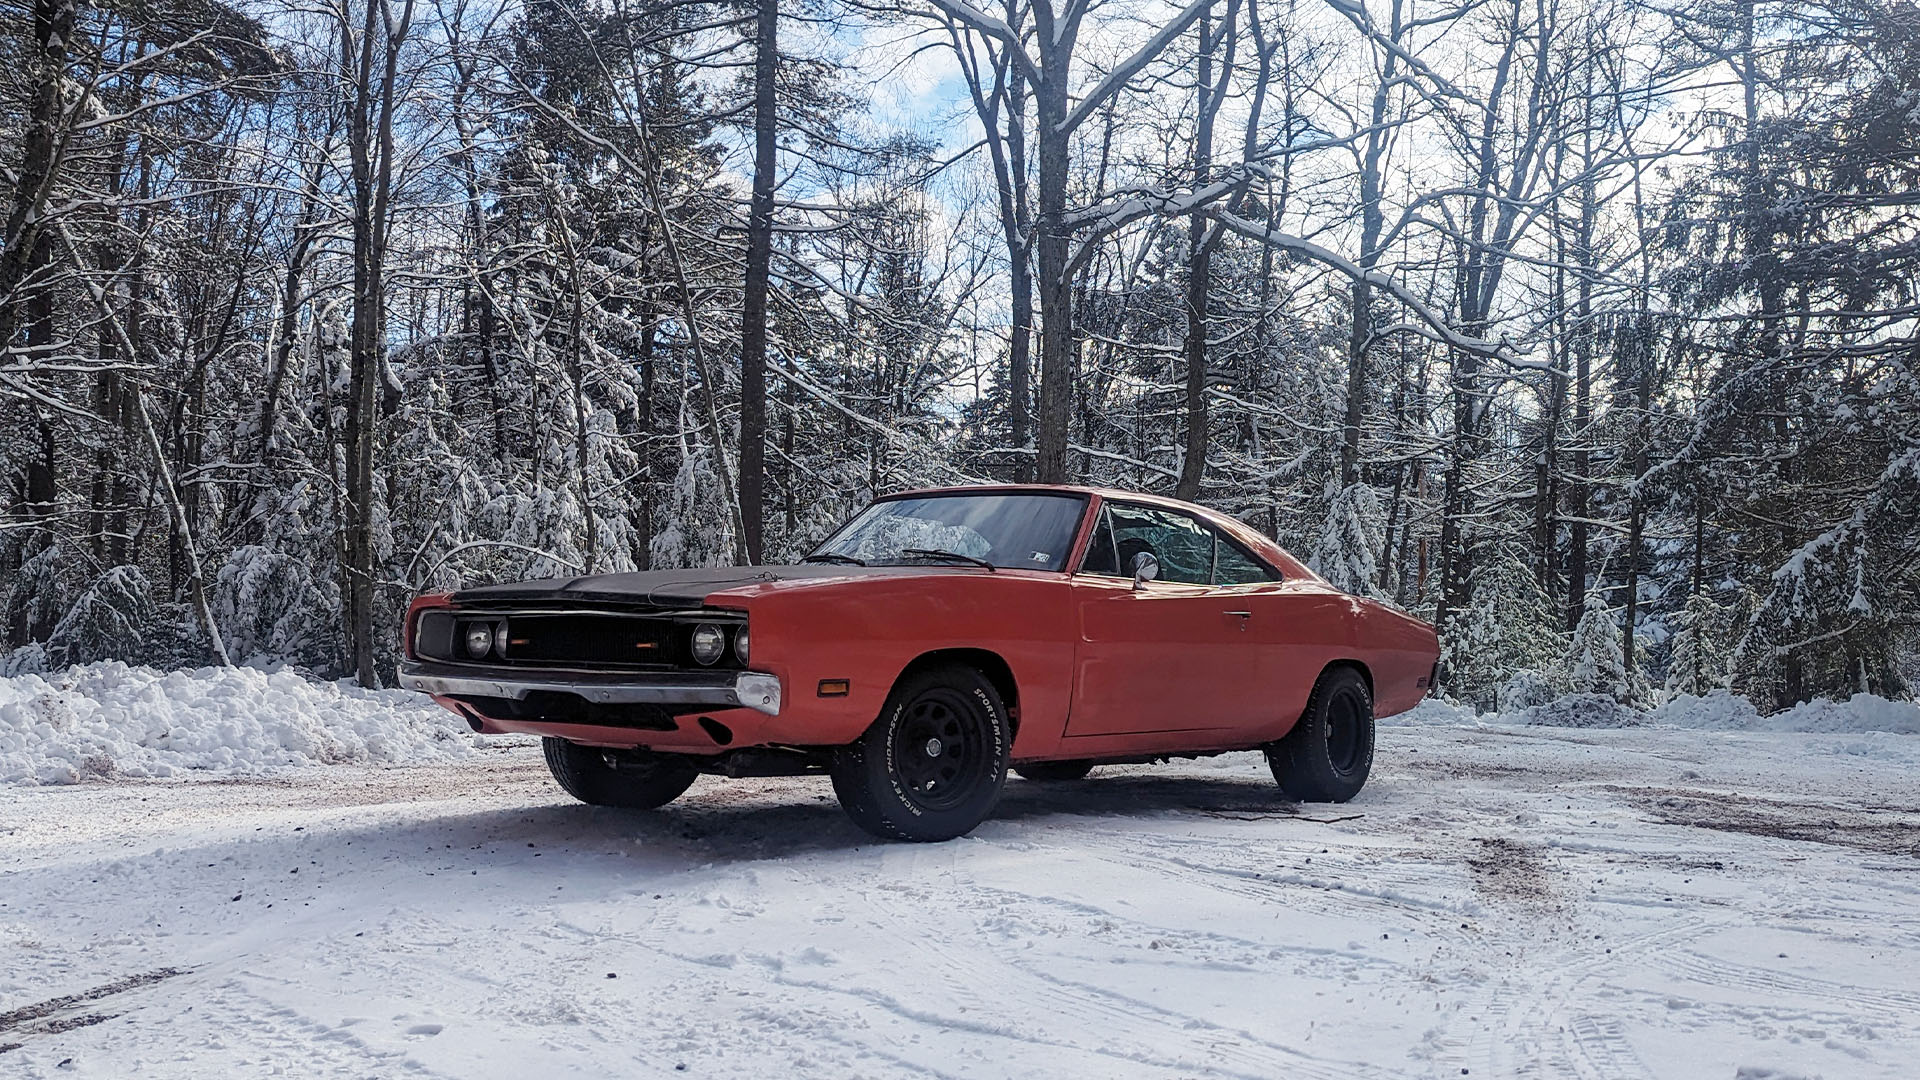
x: 834, y: 557
x: 954, y: 556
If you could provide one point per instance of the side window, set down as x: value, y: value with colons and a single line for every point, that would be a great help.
x: 1100, y: 557
x: 1183, y: 546
x: 1233, y: 565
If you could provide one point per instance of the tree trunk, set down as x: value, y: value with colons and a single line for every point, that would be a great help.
x: 370, y: 142
x: 577, y: 391
x: 753, y: 315
x: 24, y: 247
x: 1639, y: 350
x: 1052, y: 245
x: 1580, y: 492
x: 1373, y: 223
x: 1020, y: 358
x: 1019, y: 276
x: 1193, y: 465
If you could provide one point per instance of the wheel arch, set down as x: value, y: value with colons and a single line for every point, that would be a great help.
x: 1366, y: 673
x: 987, y: 662
x: 1366, y: 676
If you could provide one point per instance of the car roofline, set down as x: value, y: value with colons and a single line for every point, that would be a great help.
x: 1289, y: 564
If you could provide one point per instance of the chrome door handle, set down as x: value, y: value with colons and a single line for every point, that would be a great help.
x: 1243, y: 616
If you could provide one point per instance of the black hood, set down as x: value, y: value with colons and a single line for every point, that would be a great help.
x: 669, y: 588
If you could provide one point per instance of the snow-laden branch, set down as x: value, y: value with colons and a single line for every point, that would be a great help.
x: 1839, y: 557
x: 196, y: 575
x: 893, y: 435
x: 972, y: 17
x: 1098, y: 222
x: 1130, y: 206
x: 1131, y: 66
x: 1356, y: 13
x: 522, y: 548
x: 1431, y: 325
x: 1095, y: 452
x: 11, y: 384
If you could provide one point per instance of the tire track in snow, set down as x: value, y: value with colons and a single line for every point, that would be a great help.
x: 1816, y: 995
x: 314, y: 1047
x: 1113, y: 1016
x: 1602, y: 1042
x: 865, y: 997
x: 45, y: 1012
x: 1521, y: 1010
x: 1387, y: 887
x: 982, y: 977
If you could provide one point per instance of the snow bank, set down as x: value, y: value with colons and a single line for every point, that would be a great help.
x: 1717, y: 711
x: 108, y: 719
x: 1730, y: 712
x: 1578, y: 711
x: 1433, y: 711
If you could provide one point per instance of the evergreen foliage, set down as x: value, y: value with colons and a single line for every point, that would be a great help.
x: 1595, y: 662
x: 1345, y: 555
x: 1510, y: 630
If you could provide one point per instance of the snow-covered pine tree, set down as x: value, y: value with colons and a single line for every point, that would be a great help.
x: 1697, y: 662
x: 1345, y: 553
x: 1595, y: 662
x: 114, y: 617
x: 1832, y: 617
x: 1510, y: 627
x: 696, y: 528
x: 268, y: 592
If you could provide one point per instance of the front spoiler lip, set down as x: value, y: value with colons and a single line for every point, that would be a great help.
x: 747, y: 689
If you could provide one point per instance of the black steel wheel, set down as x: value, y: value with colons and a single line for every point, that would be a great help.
x: 1328, y: 754
x: 641, y: 780
x: 1048, y: 772
x: 932, y: 766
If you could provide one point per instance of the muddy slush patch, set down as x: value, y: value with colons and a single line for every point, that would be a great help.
x: 43, y: 1018
x: 1884, y: 830
x: 1464, y: 770
x: 1510, y: 871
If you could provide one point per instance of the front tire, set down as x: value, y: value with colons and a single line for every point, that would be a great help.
x: 932, y: 766
x: 645, y: 781
x: 1328, y: 754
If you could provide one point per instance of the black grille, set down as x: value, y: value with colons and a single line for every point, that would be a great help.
x: 620, y: 640
x: 574, y: 639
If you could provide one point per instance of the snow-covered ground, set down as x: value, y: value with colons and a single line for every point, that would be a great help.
x: 1503, y: 900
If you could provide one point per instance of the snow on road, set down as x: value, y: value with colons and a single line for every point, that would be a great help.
x: 1502, y: 901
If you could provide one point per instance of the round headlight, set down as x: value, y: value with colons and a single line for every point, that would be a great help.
x: 740, y: 645
x: 479, y: 639
x: 500, y: 639
x: 709, y: 641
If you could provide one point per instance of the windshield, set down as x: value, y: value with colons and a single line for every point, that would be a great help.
x: 1019, y: 530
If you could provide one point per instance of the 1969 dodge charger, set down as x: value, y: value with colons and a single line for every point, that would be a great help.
x: 937, y: 640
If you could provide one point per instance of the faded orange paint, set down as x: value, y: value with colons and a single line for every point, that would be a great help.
x: 1100, y: 670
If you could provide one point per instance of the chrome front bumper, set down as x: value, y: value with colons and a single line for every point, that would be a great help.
x: 747, y: 689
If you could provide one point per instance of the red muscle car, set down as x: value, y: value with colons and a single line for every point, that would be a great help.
x: 936, y: 640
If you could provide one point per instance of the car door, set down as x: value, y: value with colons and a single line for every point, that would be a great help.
x: 1285, y: 630
x: 1173, y: 655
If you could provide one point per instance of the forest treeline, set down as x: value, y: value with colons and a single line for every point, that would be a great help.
x: 1584, y: 328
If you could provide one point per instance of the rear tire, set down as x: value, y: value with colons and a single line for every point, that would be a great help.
x: 932, y: 766
x: 1050, y: 772
x: 1328, y: 754
x: 642, y: 782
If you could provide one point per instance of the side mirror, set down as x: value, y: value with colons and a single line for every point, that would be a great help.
x: 1145, y: 569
